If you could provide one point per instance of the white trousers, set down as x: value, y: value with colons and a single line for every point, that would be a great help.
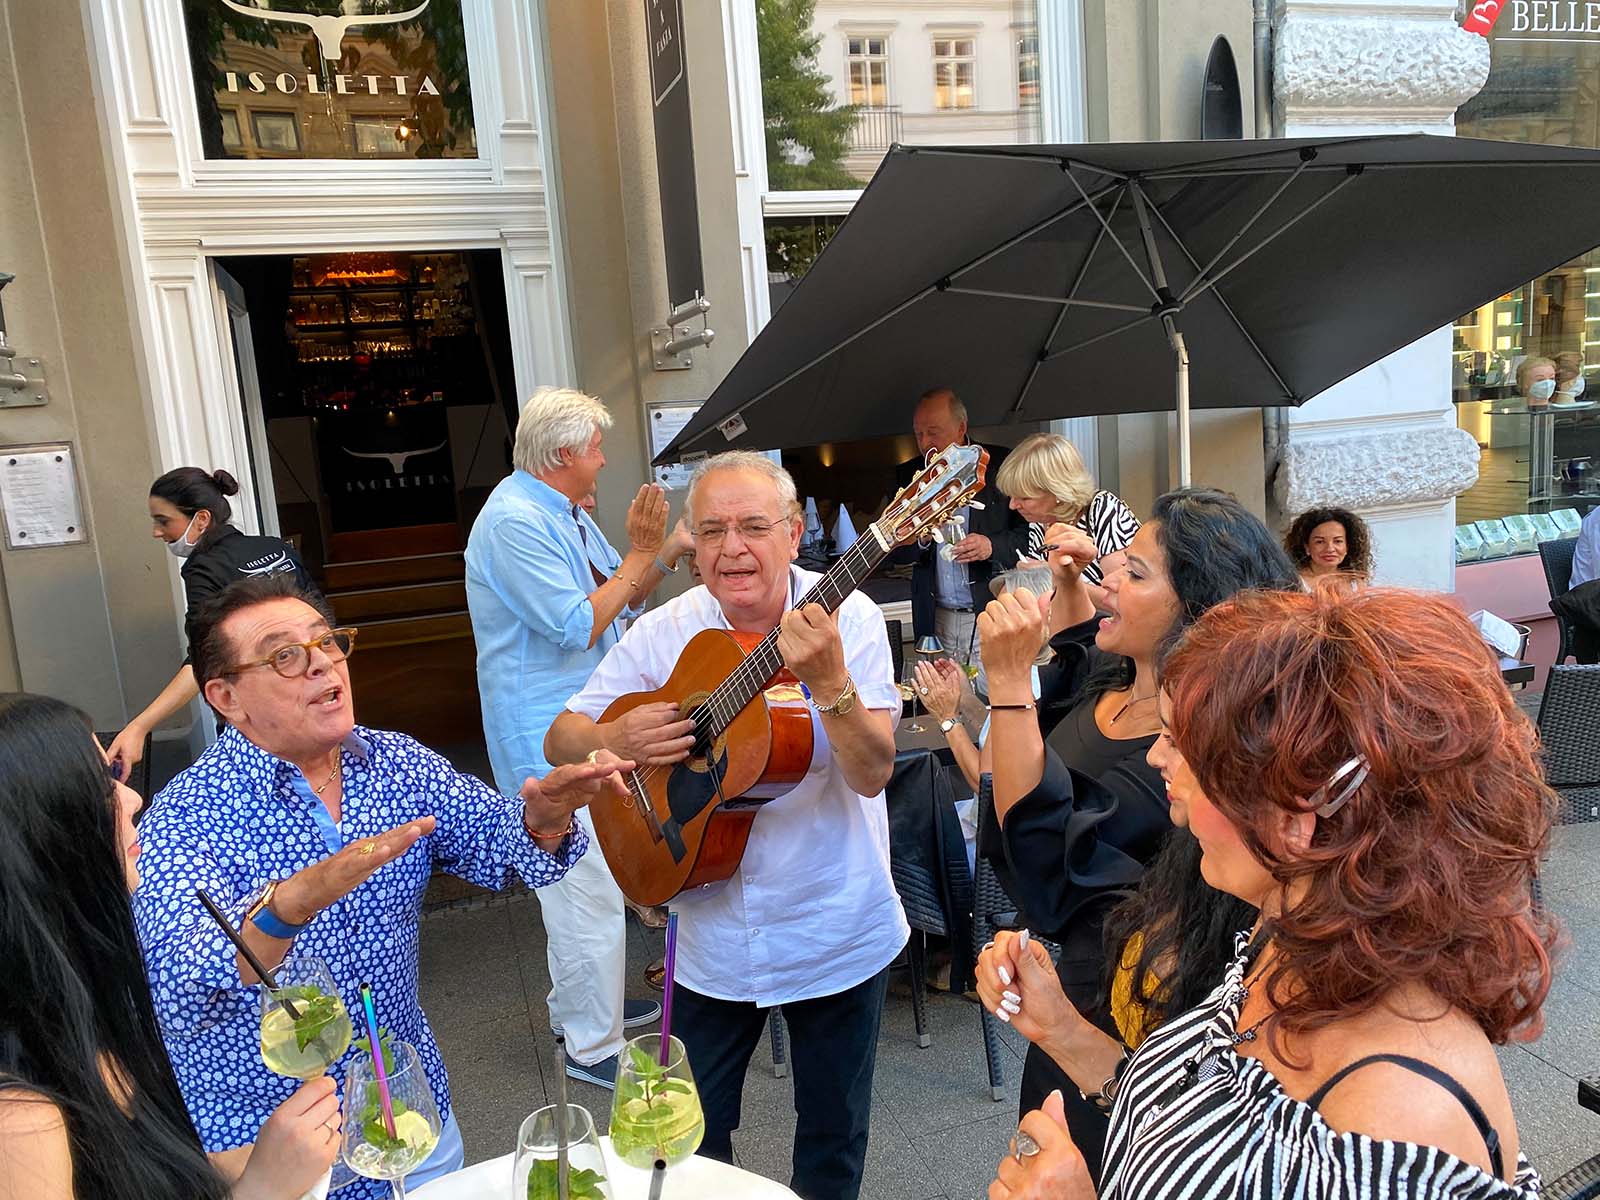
x: 585, y: 928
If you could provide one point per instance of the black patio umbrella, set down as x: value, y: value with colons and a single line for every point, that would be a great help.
x: 1057, y: 281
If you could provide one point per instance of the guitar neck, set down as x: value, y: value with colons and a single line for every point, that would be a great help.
x: 762, y: 663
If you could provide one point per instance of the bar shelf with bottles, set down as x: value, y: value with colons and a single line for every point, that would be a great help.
x: 369, y: 330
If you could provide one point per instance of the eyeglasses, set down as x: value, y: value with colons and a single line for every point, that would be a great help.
x: 1355, y: 770
x: 294, y: 660
x: 752, y: 529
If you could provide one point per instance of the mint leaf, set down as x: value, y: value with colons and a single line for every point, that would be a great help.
x: 582, y: 1184
x: 315, y: 1015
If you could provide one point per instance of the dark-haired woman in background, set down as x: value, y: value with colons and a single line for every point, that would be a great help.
x: 1081, y: 818
x: 189, y: 511
x: 1325, y: 541
x: 1351, y: 764
x: 89, y: 1106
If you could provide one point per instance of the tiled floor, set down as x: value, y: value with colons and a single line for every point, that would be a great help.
x: 935, y: 1131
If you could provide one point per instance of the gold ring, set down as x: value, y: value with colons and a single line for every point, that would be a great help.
x: 367, y: 848
x: 592, y: 757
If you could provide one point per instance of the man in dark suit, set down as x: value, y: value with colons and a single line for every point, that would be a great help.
x: 947, y: 593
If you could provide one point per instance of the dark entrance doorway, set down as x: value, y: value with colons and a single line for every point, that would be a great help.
x: 387, y: 399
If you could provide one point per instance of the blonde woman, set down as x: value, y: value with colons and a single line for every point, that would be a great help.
x: 1047, y: 482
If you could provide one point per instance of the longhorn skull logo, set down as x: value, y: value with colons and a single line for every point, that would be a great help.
x: 397, y: 460
x: 330, y: 31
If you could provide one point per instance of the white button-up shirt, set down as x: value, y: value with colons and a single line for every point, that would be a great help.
x: 811, y: 910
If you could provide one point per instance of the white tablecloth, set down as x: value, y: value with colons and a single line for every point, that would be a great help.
x: 697, y: 1179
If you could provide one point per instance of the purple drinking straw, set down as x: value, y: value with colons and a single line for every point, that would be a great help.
x: 371, y: 1012
x: 666, y: 993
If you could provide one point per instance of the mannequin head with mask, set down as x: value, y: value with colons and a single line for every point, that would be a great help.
x: 1536, y: 379
x: 189, y: 506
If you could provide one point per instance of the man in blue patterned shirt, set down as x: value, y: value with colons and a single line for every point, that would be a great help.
x: 316, y: 836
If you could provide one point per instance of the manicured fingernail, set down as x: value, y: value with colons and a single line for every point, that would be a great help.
x: 1003, y: 1015
x: 1005, y: 975
x: 1022, y: 940
x: 1012, y: 996
x: 1007, y: 1006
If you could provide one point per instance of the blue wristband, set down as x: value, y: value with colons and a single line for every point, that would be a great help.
x: 272, y: 926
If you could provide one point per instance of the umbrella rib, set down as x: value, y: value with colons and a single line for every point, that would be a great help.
x: 1061, y: 317
x: 1208, y: 285
x: 1064, y: 301
x: 1243, y: 229
x: 1227, y: 308
x: 901, y: 307
x: 1115, y: 240
x: 1054, y: 160
x: 1099, y: 337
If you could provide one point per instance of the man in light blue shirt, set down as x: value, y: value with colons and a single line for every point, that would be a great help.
x: 548, y: 597
x: 1586, y: 554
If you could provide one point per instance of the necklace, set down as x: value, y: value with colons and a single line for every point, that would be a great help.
x: 1131, y: 702
x: 331, y: 775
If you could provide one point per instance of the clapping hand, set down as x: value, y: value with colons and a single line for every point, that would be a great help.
x: 942, y: 685
x: 1017, y: 982
x: 1011, y: 631
x: 1044, y: 1163
x: 647, y: 520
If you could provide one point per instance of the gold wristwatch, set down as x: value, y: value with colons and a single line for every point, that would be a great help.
x: 841, y: 706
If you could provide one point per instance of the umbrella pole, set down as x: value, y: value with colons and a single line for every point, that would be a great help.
x: 1175, y: 336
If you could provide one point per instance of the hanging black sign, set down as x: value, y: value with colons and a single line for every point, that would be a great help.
x: 680, y: 206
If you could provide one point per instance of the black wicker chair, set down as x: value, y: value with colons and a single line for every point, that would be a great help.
x: 1571, y: 749
x: 1556, y: 557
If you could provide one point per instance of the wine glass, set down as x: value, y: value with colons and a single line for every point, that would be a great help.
x: 303, y: 1046
x: 534, y: 1172
x: 656, y: 1112
x: 369, y: 1148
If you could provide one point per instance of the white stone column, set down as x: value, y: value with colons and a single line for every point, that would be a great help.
x: 1384, y: 442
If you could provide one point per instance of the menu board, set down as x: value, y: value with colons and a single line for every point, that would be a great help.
x: 39, y: 493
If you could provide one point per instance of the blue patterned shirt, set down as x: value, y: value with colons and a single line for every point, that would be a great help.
x: 240, y: 817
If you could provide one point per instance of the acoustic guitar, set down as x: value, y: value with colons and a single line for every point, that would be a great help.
x: 687, y: 824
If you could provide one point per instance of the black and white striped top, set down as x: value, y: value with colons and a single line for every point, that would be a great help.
x: 1226, y: 1128
x: 1107, y: 520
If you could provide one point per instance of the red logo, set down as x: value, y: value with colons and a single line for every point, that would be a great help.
x: 1483, y: 16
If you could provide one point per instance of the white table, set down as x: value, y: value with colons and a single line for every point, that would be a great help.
x: 696, y: 1179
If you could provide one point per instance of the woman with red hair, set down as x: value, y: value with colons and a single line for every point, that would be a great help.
x: 1351, y: 764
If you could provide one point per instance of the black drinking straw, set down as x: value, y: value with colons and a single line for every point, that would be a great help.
x: 563, y: 1167
x: 657, y: 1178
x: 262, y: 973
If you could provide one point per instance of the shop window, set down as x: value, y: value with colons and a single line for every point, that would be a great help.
x: 868, y: 65
x: 793, y: 244
x: 954, y: 69
x: 275, y: 132
x: 349, y: 85
x: 1540, y: 454
x: 1028, y: 70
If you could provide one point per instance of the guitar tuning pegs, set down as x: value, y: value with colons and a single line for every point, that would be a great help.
x: 938, y: 534
x: 975, y: 504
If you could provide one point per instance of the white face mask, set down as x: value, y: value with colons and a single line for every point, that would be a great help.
x: 1573, y: 388
x: 1542, y: 390
x: 183, y: 547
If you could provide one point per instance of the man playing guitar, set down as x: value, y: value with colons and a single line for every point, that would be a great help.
x: 810, y: 920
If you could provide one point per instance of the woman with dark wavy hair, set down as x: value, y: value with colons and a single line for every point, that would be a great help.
x: 89, y: 1106
x: 1080, y: 812
x: 1351, y: 763
x: 1328, y: 541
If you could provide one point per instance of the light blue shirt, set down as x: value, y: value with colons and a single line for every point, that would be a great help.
x: 1586, y: 554
x: 529, y: 574
x: 238, y: 818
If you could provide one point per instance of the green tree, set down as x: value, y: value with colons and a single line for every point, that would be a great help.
x: 799, y: 110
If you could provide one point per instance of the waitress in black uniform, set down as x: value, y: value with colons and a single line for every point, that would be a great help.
x: 189, y: 511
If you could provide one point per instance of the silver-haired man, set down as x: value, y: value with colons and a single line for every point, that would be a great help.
x: 548, y: 597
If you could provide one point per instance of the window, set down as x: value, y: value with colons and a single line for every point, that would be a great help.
x: 1538, y: 472
x: 380, y: 136
x: 868, y: 59
x: 954, y: 67
x: 231, y: 137
x: 276, y: 132
x: 1027, y: 70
